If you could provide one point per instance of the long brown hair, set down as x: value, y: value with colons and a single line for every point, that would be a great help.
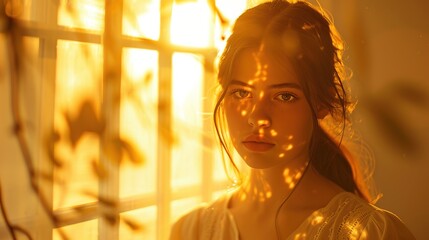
x: 306, y: 38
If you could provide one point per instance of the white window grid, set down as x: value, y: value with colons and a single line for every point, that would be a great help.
x: 48, y: 33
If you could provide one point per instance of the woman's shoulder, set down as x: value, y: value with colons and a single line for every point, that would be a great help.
x: 202, y: 220
x: 348, y: 216
x: 206, y: 210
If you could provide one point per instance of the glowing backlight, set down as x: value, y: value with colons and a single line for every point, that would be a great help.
x: 192, y: 24
x: 138, y: 119
x: 88, y: 227
x: 78, y: 80
x: 141, y: 18
x: 187, y: 114
x: 231, y: 9
x: 87, y: 14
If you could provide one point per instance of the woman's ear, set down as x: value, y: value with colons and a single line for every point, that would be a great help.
x: 321, y: 113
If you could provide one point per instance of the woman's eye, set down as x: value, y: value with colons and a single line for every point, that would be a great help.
x: 240, y: 93
x: 286, y: 97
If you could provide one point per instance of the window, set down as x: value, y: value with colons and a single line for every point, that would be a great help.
x: 124, y: 93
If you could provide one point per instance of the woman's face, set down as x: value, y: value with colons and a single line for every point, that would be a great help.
x: 269, y: 119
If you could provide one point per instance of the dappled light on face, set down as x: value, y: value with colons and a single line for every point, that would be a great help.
x: 288, y: 147
x: 258, y: 65
x: 262, y: 122
x: 260, y: 72
x: 242, y: 107
x: 273, y: 132
x: 260, y: 75
x: 261, y: 132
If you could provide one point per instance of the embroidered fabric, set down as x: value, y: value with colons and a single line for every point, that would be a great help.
x: 346, y: 216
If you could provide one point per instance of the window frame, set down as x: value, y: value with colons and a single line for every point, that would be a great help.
x: 48, y: 32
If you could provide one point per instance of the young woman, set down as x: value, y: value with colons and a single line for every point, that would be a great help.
x: 281, y: 76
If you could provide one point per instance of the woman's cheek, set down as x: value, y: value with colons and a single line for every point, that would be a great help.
x: 237, y: 110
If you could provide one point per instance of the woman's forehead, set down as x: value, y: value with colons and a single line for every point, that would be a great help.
x: 254, y: 66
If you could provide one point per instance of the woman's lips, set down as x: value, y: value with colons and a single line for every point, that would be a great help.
x: 258, y: 146
x: 256, y: 143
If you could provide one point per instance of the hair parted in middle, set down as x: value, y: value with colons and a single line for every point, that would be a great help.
x: 303, y: 36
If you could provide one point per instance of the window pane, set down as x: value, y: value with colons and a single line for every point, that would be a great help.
x: 83, y: 231
x: 145, y: 217
x: 86, y: 14
x: 77, y: 122
x: 191, y: 24
x: 230, y: 10
x: 187, y: 119
x: 141, y: 18
x: 138, y: 120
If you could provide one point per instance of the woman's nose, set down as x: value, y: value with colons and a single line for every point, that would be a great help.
x: 258, y: 117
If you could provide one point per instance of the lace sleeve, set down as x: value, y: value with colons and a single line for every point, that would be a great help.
x: 385, y: 225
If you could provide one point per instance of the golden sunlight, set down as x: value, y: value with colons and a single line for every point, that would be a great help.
x: 317, y: 219
x: 288, y: 147
x: 187, y: 98
x: 300, y: 236
x: 356, y: 231
x: 137, y: 15
x: 291, y: 178
x: 76, y: 88
x: 231, y: 9
x: 192, y: 24
x: 273, y: 132
x: 139, y: 121
x: 86, y: 14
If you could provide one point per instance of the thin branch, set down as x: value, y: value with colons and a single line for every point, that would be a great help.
x: 23, y: 231
x: 15, y: 45
x: 5, y: 217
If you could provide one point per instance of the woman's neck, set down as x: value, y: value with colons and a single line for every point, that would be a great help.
x: 282, y: 197
x: 267, y: 188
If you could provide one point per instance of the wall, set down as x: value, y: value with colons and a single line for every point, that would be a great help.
x: 388, y: 51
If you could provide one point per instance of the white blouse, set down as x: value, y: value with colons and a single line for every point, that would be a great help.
x: 346, y: 216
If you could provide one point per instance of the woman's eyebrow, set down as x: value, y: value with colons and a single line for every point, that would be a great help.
x: 237, y: 82
x: 286, y: 85
x: 280, y: 85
